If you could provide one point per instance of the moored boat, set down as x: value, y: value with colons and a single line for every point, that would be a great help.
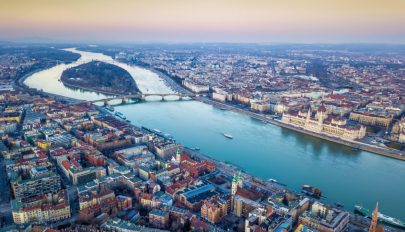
x: 110, y: 108
x: 311, y: 191
x: 381, y: 217
x: 120, y: 115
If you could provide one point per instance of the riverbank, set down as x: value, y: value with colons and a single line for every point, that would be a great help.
x: 20, y: 85
x: 73, y: 86
x: 391, y: 153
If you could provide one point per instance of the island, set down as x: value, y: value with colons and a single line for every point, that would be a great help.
x: 100, y: 77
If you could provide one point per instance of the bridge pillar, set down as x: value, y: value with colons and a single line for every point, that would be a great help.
x: 163, y: 98
x: 124, y: 100
x: 142, y: 98
x: 105, y: 103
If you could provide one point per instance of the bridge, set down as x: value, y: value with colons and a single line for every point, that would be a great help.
x: 143, y: 96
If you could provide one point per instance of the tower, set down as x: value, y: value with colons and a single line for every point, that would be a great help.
x: 374, y: 220
x: 237, y: 182
x: 308, y: 115
x: 178, y: 155
x: 321, y: 114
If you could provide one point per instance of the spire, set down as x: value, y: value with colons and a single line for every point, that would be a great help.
x: 374, y: 220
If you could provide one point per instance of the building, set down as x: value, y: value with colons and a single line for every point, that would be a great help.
x: 260, y: 106
x: 41, y: 209
x: 167, y: 149
x: 214, y: 209
x: 196, y: 88
x: 373, y: 118
x: 324, y: 218
x: 237, y: 182
x: 158, y: 218
x: 44, y: 184
x: 322, y: 123
x: 195, y: 168
x: 194, y: 196
x: 94, y: 197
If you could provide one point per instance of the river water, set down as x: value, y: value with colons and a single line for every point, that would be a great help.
x: 265, y: 150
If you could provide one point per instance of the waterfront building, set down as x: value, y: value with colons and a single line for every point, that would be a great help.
x: 321, y: 122
x: 260, y: 106
x: 165, y: 150
x: 196, y: 88
x: 401, y: 137
x: 196, y: 168
x: 244, y: 98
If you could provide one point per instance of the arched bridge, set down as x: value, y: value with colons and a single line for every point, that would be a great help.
x: 143, y: 96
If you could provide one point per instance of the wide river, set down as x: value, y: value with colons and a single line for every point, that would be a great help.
x: 264, y: 150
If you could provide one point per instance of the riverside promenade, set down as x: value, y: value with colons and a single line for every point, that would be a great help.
x: 388, y: 152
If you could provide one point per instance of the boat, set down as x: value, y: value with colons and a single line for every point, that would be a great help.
x: 355, y: 149
x: 381, y: 217
x: 228, y: 136
x: 108, y: 107
x: 272, y: 180
x: 222, y: 108
x: 120, y: 115
x: 311, y: 191
x: 195, y: 148
x: 157, y: 131
x: 339, y: 205
x: 128, y: 120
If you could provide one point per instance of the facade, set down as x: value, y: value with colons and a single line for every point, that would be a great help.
x: 195, y: 87
x: 372, y: 119
x: 194, y: 196
x: 260, y: 106
x: 40, y: 209
x: 166, y: 149
x: 214, y: 209
x: 321, y: 122
x: 32, y: 187
x: 325, y: 219
x: 159, y: 218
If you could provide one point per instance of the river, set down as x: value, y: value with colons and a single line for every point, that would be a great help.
x: 265, y: 150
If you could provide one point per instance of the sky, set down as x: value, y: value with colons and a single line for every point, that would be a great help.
x: 263, y: 21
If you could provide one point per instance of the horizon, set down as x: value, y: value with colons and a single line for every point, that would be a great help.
x: 179, y: 21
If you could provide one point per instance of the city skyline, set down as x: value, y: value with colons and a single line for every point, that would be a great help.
x: 292, y: 21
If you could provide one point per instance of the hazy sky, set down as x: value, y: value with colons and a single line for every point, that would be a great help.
x: 205, y: 20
